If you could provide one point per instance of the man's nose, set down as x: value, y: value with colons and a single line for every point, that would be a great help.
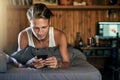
x: 40, y: 31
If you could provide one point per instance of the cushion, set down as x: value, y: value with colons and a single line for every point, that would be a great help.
x: 29, y: 52
x: 3, y: 62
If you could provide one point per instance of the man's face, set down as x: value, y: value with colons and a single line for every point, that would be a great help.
x: 40, y: 28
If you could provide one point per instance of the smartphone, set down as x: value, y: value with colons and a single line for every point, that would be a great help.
x: 42, y: 56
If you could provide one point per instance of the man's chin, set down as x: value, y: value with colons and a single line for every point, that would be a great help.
x: 41, y: 38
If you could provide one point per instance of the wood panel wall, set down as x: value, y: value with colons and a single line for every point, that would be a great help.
x: 68, y: 20
x: 83, y: 21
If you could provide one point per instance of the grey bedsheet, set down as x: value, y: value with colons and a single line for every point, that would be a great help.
x: 82, y: 71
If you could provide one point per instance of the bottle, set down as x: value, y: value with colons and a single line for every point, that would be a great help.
x: 97, y: 40
x: 89, y: 41
x: 79, y: 41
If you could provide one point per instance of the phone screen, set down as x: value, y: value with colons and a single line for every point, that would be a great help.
x: 42, y: 56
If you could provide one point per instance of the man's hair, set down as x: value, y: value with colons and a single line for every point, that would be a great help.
x: 39, y: 11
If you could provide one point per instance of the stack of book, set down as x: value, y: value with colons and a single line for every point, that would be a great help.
x: 20, y: 2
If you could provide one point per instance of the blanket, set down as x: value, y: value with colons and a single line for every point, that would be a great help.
x: 29, y: 52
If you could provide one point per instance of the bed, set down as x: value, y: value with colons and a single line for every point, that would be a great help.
x: 80, y: 69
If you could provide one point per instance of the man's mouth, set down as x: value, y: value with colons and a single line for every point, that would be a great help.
x: 40, y: 36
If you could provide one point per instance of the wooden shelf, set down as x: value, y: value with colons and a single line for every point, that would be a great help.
x: 97, y: 56
x: 70, y: 7
x: 89, y: 48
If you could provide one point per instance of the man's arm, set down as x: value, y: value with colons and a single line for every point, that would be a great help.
x: 63, y: 51
x: 22, y: 40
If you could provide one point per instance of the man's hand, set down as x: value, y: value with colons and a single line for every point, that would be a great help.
x: 51, y: 62
x: 39, y: 63
x: 36, y: 63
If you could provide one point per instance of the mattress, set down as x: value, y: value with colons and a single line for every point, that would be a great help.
x: 81, y: 71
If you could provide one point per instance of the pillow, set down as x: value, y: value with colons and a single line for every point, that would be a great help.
x: 73, y: 53
x: 23, y: 55
x: 3, y: 62
x: 29, y: 52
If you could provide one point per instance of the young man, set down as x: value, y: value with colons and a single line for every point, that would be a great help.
x: 40, y: 35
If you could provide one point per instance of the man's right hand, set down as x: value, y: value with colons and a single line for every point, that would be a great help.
x: 36, y: 63
x: 39, y: 63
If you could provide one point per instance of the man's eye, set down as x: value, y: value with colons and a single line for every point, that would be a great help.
x: 44, y: 27
x: 35, y: 28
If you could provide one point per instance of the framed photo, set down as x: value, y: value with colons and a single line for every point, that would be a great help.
x: 47, y: 2
x: 99, y: 2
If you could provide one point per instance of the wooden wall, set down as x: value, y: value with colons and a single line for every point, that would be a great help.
x: 68, y: 20
x: 83, y: 21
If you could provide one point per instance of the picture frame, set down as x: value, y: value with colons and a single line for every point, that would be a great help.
x: 98, y: 2
x: 47, y: 2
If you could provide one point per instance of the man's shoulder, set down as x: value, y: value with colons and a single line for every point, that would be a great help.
x: 58, y: 32
x: 24, y: 32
